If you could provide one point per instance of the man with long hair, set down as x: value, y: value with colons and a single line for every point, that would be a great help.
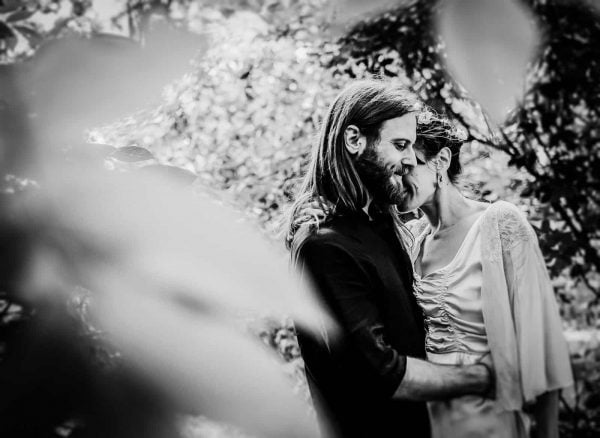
x: 371, y: 380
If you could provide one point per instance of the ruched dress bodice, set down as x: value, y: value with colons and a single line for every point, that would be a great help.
x: 450, y: 299
x: 451, y: 302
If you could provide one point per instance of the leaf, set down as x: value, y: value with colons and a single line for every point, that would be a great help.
x: 113, y: 76
x: 196, y: 361
x: 9, y: 7
x: 172, y: 173
x: 32, y: 35
x: 489, y: 44
x: 11, y: 43
x: 171, y: 274
x: 344, y: 13
x: 97, y: 152
x: 5, y: 31
x: 59, y: 25
x: 20, y: 15
x: 132, y: 154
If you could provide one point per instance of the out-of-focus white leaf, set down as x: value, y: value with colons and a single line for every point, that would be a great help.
x: 176, y: 174
x: 163, y: 240
x: 78, y: 83
x: 489, y: 44
x: 170, y: 274
x: 205, y: 366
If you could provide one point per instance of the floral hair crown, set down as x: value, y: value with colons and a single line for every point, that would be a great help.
x: 429, y: 122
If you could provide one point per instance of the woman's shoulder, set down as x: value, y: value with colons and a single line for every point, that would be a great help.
x: 510, y: 220
x: 505, y: 211
x: 505, y: 207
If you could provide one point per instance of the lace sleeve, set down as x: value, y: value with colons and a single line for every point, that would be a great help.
x: 542, y: 351
x: 513, y: 227
x: 517, y: 293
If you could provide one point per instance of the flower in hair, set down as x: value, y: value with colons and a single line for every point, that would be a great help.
x: 425, y: 117
x: 461, y: 133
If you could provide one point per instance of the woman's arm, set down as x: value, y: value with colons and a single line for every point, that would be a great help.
x: 546, y: 415
x: 544, y: 363
x: 543, y: 355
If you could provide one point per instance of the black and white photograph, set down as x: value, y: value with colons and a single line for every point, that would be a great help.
x: 300, y: 218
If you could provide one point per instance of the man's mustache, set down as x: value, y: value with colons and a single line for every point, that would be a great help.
x: 402, y: 170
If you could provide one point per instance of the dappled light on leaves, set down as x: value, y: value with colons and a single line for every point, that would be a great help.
x: 344, y: 13
x: 243, y: 120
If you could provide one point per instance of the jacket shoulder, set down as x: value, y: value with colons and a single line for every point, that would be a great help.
x: 328, y: 235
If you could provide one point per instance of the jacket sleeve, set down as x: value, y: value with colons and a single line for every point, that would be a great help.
x: 542, y: 350
x: 342, y: 281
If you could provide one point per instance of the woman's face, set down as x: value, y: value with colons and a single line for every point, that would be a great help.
x: 419, y: 184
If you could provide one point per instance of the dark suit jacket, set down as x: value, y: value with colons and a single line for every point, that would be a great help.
x: 364, y: 276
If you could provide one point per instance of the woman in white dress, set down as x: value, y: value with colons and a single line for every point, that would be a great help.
x: 481, y: 282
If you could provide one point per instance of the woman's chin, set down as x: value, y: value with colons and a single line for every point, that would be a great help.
x: 405, y: 205
x: 404, y: 209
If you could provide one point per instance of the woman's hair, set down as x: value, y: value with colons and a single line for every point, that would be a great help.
x: 331, y: 181
x: 435, y: 133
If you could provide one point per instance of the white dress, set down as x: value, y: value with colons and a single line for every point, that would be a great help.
x: 450, y: 298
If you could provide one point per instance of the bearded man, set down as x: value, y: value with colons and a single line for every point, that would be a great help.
x: 371, y: 380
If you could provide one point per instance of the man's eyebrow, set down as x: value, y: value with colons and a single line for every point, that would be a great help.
x: 401, y: 139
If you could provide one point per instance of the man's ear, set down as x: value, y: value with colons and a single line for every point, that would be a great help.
x: 355, y: 141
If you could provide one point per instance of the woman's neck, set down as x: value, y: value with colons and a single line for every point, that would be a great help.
x: 447, y: 208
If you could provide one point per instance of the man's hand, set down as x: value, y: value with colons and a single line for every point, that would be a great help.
x: 315, y: 210
x: 426, y: 381
x: 308, y: 215
x: 487, y: 362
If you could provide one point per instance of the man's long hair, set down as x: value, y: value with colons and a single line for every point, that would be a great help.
x: 332, y: 182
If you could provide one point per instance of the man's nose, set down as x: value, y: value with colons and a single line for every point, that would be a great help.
x: 409, y: 159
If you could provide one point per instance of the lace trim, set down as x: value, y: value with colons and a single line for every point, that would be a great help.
x: 513, y: 227
x: 503, y: 226
x: 416, y: 228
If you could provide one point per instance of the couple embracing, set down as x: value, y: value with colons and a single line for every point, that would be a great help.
x: 449, y: 326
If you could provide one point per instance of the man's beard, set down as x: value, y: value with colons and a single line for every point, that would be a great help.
x: 383, y: 184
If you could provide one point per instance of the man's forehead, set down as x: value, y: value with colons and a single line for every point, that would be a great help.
x: 403, y: 127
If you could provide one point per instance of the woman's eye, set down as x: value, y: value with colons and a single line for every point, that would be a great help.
x: 401, y: 145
